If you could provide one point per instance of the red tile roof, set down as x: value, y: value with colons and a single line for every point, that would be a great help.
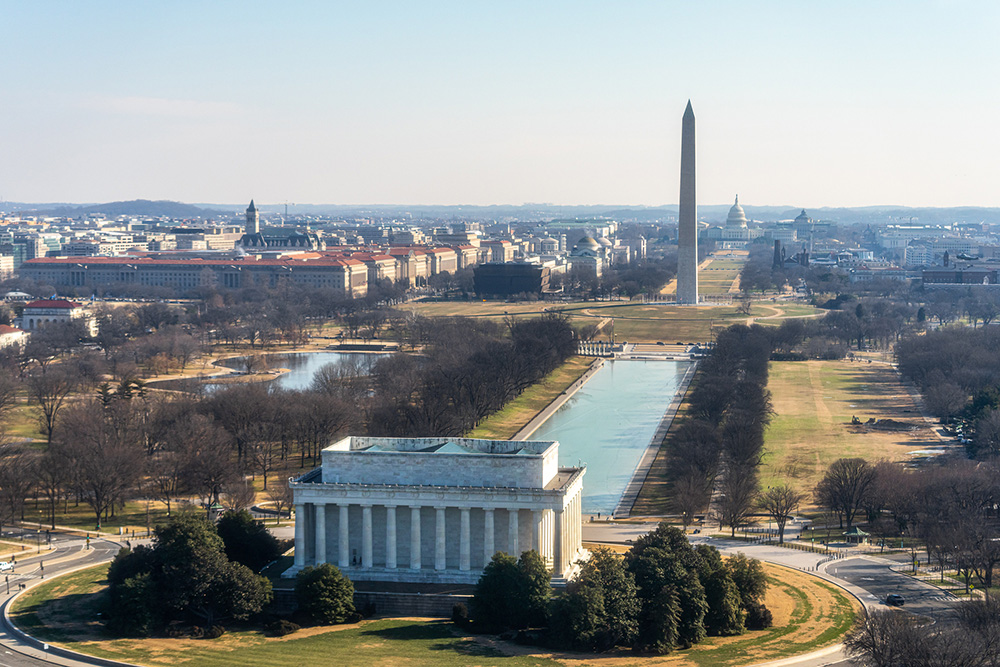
x: 4, y: 329
x: 52, y: 303
x: 149, y: 261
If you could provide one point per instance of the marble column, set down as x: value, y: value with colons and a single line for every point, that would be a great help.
x: 320, y: 511
x: 512, y: 530
x: 390, y: 537
x: 366, y: 536
x: 300, y: 535
x: 345, y: 541
x: 439, y: 542
x: 536, y: 531
x: 414, y: 537
x: 465, y: 549
x: 488, y: 532
x: 558, y: 543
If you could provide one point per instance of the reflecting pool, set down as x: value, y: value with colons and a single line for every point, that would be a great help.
x: 609, y: 422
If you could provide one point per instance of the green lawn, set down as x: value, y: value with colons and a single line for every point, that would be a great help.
x: 515, y: 415
x: 718, y: 276
x: 814, y: 402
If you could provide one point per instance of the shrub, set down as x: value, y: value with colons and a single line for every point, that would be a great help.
x: 282, y: 627
x: 460, y: 615
x: 325, y: 594
x: 758, y: 616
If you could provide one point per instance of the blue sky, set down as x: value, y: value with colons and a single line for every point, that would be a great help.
x: 798, y: 103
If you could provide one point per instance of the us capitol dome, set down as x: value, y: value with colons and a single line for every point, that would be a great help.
x: 736, y: 217
x: 737, y: 233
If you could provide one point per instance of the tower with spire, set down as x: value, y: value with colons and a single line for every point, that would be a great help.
x: 253, y: 220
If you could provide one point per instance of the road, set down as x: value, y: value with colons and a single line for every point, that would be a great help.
x: 69, y: 553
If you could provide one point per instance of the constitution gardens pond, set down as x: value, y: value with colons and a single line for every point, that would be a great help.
x: 609, y: 422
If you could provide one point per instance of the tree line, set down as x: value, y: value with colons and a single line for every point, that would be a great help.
x: 661, y: 595
x: 109, y: 442
x: 719, y: 443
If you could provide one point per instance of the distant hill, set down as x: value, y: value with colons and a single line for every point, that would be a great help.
x: 144, y: 207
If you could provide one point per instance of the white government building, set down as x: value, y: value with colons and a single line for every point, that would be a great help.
x: 435, y: 510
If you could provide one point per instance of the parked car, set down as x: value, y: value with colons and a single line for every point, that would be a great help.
x: 894, y: 600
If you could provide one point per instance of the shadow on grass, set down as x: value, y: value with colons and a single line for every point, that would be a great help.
x: 429, y: 632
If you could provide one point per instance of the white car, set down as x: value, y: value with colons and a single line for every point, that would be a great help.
x: 6, y: 566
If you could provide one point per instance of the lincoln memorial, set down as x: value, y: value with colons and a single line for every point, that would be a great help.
x: 435, y: 510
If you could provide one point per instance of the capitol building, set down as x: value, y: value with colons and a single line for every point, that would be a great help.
x: 737, y: 233
x: 435, y: 510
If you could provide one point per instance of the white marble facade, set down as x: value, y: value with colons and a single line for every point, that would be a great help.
x: 435, y: 510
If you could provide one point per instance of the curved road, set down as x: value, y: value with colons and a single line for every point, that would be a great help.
x: 70, y: 552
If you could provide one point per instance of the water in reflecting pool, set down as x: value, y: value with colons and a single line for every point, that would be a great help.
x: 608, y: 424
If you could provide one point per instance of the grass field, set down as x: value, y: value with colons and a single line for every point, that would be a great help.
x: 814, y: 402
x: 718, y: 276
x: 633, y: 322
x: 808, y: 614
x: 516, y: 414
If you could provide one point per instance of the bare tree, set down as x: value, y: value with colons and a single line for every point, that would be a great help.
x: 49, y: 392
x: 53, y: 478
x: 280, y: 495
x: 105, y: 451
x: 17, y: 477
x: 845, y: 486
x: 207, y: 450
x: 239, y: 495
x: 780, y: 502
x: 736, y: 499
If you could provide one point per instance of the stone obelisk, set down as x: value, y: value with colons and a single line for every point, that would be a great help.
x: 687, y: 218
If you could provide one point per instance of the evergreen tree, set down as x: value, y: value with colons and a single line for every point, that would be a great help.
x: 325, y: 594
x: 599, y: 609
x: 247, y: 541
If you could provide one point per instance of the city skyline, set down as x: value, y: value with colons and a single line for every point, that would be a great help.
x: 453, y: 104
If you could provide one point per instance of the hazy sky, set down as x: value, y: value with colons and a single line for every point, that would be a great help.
x: 421, y: 102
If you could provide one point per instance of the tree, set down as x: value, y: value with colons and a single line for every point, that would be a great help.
x: 600, y: 607
x: 736, y: 500
x: 247, y: 541
x: 207, y: 452
x: 17, y: 480
x: 751, y: 582
x: 280, y: 495
x: 511, y: 592
x: 103, y: 446
x: 189, y: 577
x: 886, y: 639
x: 325, y: 594
x: 197, y: 578
x: 673, y: 599
x: 844, y: 487
x: 780, y: 502
x: 49, y: 391
x: 725, y: 613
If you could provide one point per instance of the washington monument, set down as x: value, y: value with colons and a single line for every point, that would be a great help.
x: 687, y: 218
